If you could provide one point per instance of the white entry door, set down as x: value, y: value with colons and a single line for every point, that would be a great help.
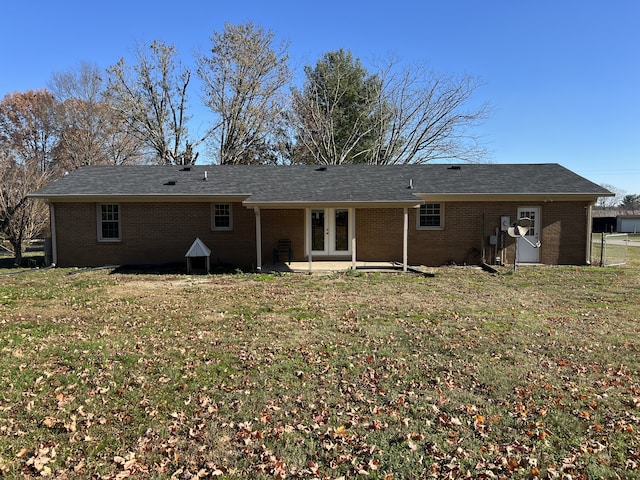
x: 330, y: 231
x: 527, y: 252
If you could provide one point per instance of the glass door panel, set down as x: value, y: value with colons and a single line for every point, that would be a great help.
x: 341, y: 231
x: 317, y: 230
x: 330, y: 230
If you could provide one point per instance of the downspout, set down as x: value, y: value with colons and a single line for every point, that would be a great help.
x: 54, y: 240
x: 258, y: 239
x: 405, y: 238
x: 353, y: 239
x: 307, y: 213
x: 588, y: 237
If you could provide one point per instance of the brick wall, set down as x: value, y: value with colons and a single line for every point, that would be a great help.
x: 156, y: 233
x: 562, y: 234
x: 379, y: 234
x: 282, y: 224
x: 152, y: 233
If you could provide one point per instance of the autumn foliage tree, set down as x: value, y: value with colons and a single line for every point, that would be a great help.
x: 92, y: 132
x: 28, y: 134
x: 46, y: 133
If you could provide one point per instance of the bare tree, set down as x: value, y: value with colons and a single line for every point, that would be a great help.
x: 28, y: 135
x: 607, y: 203
x: 243, y: 77
x: 151, y: 97
x: 427, y: 117
x: 21, y: 218
x: 393, y: 116
x: 92, y: 133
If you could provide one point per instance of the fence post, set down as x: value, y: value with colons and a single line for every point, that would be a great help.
x: 602, y: 249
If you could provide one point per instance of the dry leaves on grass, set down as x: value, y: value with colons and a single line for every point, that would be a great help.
x: 300, y: 377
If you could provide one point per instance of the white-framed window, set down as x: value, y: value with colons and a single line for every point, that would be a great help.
x: 430, y: 216
x: 108, y: 222
x: 221, y: 216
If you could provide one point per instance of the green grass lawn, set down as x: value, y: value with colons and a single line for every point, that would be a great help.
x: 525, y: 375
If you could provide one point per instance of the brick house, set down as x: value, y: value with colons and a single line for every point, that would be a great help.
x: 428, y: 215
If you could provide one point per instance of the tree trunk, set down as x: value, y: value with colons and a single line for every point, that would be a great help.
x: 17, y: 251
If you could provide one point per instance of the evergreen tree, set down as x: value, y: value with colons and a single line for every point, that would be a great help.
x: 337, y: 114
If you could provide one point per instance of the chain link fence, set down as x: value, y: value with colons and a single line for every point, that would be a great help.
x: 609, y: 249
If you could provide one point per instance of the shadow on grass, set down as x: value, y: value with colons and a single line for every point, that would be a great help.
x: 36, y: 260
x: 174, y: 269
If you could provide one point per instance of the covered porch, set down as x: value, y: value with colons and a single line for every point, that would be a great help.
x: 325, y: 238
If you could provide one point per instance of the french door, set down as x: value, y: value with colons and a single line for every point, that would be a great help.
x: 330, y: 231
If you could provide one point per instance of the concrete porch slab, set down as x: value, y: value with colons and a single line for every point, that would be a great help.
x: 337, y: 266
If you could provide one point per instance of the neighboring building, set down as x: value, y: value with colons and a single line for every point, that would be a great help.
x: 620, y: 221
x: 628, y: 223
x: 604, y: 220
x: 429, y: 215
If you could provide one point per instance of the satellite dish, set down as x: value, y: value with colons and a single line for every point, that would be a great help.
x: 520, y: 229
x: 524, y: 222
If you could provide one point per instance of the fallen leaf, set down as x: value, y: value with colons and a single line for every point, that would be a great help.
x: 50, y: 422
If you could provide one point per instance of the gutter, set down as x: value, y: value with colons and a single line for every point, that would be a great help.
x: 175, y: 197
x: 333, y: 204
x: 542, y: 197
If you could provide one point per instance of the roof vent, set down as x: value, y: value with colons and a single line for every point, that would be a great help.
x: 185, y: 169
x: 321, y: 169
x: 170, y: 182
x: 453, y: 167
x: 411, y: 183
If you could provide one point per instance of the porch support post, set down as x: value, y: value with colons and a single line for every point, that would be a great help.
x: 405, y: 238
x: 307, y: 224
x: 353, y: 239
x: 258, y: 238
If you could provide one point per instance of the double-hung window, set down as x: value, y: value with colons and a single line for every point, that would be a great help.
x: 108, y: 222
x: 431, y: 216
x: 221, y: 216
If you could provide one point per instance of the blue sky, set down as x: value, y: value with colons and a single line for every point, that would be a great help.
x: 563, y: 76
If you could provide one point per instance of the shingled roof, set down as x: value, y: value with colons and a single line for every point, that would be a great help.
x: 313, y: 184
